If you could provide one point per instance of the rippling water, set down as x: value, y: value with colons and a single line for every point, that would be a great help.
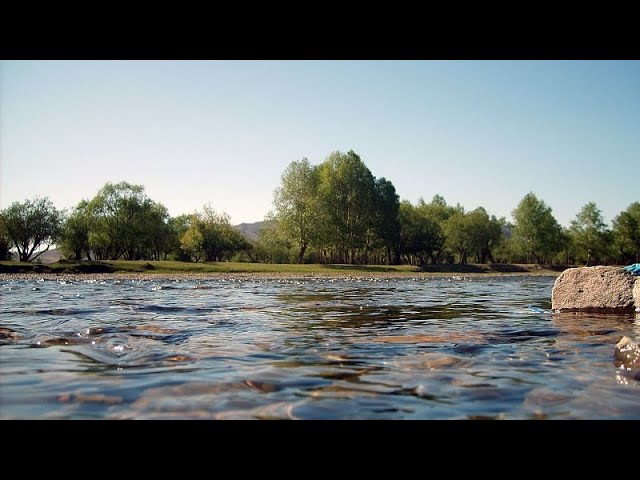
x: 383, y: 348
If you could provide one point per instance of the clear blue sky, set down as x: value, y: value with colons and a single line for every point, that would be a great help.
x: 481, y: 133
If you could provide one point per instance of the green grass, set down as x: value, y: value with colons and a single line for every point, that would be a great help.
x: 169, y: 267
x: 237, y: 267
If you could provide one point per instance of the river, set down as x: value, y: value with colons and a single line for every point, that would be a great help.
x: 324, y: 348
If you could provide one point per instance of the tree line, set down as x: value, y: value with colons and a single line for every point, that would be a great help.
x: 333, y: 212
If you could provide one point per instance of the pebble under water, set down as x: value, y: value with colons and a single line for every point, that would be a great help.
x: 307, y: 348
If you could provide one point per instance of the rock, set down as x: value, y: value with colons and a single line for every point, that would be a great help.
x: 627, y: 354
x: 595, y: 290
x: 627, y: 359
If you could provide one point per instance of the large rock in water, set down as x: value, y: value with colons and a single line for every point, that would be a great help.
x: 596, y: 290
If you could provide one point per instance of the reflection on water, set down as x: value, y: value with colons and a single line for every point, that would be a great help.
x: 379, y: 348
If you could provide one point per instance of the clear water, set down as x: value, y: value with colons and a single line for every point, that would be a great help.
x: 383, y: 348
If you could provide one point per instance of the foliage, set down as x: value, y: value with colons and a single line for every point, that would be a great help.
x: 125, y: 223
x: 192, y: 240
x: 5, y: 245
x: 272, y: 246
x: 75, y: 233
x: 178, y: 226
x: 590, y: 235
x: 386, y: 221
x: 346, y: 200
x: 211, y: 237
x: 421, y: 236
x: 336, y: 212
x: 32, y: 225
x: 626, y: 234
x: 536, y: 232
x: 296, y: 205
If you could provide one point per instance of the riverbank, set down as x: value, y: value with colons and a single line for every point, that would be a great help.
x: 154, y: 269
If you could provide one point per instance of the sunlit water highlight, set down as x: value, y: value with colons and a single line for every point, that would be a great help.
x: 382, y: 348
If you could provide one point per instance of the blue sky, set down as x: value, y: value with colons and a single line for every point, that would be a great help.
x: 481, y: 133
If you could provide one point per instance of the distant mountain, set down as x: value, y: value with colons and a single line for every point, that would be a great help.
x: 50, y: 256
x: 251, y: 230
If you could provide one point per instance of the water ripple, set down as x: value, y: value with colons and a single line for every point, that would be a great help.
x: 307, y: 348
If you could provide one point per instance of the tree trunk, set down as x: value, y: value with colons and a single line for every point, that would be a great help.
x: 489, y: 255
x: 303, y: 248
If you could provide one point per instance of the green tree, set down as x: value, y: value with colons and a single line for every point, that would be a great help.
x: 386, y: 222
x: 420, y: 235
x: 590, y: 234
x: 75, y: 233
x: 216, y: 233
x: 567, y: 255
x: 191, y: 241
x: 156, y: 240
x: 212, y: 237
x: 626, y: 234
x: 5, y: 245
x: 125, y: 222
x: 272, y: 246
x: 346, y: 194
x: 439, y: 211
x: 485, y: 233
x: 459, y: 235
x: 115, y: 220
x: 536, y: 232
x: 296, y: 205
x: 178, y: 226
x: 32, y: 225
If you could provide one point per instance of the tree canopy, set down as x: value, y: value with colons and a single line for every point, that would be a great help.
x: 590, y: 234
x: 32, y: 226
x: 337, y: 211
x: 536, y: 232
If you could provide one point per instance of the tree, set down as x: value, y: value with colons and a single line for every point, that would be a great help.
x: 191, y: 241
x: 32, y: 225
x: 5, y: 247
x: 626, y: 234
x: 296, y: 204
x: 459, y: 235
x: 210, y: 236
x: 125, y: 222
x: 156, y: 239
x: 346, y: 194
x: 420, y: 235
x: 485, y: 233
x: 272, y: 246
x: 590, y: 234
x: 536, y: 231
x: 386, y: 212
x: 439, y: 211
x: 75, y: 233
x: 215, y: 229
x: 178, y: 226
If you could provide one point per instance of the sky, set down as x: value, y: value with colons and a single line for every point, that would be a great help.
x: 479, y: 133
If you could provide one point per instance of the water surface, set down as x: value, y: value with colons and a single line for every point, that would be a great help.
x: 380, y: 348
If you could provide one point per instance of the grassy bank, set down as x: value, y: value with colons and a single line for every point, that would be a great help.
x: 168, y: 267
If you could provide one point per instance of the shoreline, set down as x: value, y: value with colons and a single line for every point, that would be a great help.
x: 244, y: 276
x: 164, y: 270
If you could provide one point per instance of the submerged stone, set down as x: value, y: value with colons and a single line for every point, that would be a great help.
x: 627, y: 354
x: 627, y: 359
x: 596, y: 290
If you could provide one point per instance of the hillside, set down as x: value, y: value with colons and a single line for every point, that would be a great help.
x: 50, y: 256
x: 251, y: 230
